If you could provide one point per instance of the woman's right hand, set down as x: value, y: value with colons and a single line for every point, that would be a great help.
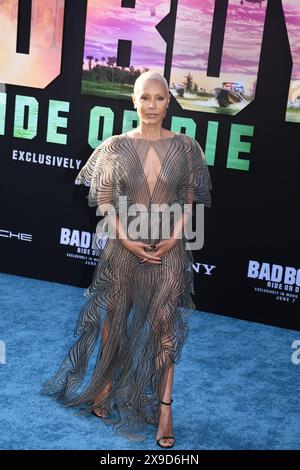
x: 140, y: 249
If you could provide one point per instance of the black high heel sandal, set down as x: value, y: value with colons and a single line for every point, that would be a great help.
x: 166, y: 437
x: 98, y: 413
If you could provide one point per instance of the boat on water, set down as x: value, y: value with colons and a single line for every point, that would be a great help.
x: 178, y: 89
x: 230, y: 93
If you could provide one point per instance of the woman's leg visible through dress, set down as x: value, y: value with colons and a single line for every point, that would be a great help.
x: 164, y: 360
x: 103, y: 412
x: 122, y: 305
x: 165, y: 425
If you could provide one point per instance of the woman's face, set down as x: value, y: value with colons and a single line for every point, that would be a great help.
x: 151, y: 101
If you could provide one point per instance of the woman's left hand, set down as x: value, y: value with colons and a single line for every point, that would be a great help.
x: 163, y: 246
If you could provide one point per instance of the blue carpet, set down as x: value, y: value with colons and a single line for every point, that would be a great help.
x: 235, y: 387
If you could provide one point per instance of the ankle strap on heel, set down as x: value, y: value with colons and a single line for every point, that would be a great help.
x: 165, y: 403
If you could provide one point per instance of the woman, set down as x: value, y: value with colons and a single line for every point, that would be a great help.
x: 139, y: 298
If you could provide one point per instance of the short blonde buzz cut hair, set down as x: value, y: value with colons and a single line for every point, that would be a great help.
x: 147, y: 76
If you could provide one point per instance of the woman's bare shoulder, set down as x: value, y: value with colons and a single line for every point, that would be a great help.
x: 187, y: 139
x: 107, y: 141
x: 167, y: 134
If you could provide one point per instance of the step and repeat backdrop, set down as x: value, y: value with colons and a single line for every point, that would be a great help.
x: 67, y: 71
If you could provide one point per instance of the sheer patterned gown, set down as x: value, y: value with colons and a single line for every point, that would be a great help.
x: 145, y: 307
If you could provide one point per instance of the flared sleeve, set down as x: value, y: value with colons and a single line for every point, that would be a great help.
x: 195, y: 186
x: 100, y: 173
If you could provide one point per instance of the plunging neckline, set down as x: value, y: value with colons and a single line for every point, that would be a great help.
x: 151, y: 194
